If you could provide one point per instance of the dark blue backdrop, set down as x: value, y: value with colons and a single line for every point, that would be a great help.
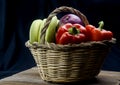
x: 17, y: 15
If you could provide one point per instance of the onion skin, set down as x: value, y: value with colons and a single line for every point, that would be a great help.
x: 70, y: 18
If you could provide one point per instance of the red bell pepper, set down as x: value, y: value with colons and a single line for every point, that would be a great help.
x: 98, y: 34
x: 70, y: 33
x: 106, y: 35
x: 94, y: 34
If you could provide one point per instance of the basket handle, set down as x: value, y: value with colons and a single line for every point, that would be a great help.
x: 59, y: 10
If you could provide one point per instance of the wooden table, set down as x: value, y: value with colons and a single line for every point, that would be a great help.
x: 31, y: 77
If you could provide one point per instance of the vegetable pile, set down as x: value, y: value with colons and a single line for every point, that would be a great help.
x: 68, y: 30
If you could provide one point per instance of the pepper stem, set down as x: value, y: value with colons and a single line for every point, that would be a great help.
x: 73, y: 30
x: 101, y: 25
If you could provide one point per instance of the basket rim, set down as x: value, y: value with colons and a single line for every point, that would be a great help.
x: 89, y: 44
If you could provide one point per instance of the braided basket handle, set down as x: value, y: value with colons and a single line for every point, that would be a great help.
x: 59, y: 10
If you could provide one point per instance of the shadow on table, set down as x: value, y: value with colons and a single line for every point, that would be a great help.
x: 85, y: 82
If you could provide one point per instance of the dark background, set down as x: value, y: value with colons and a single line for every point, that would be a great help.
x: 16, y: 17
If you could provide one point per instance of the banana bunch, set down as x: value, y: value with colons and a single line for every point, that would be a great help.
x: 36, y: 27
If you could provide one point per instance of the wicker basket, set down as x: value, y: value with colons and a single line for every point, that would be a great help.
x: 69, y: 63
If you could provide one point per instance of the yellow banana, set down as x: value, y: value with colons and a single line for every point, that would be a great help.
x: 51, y: 30
x: 34, y: 28
x: 41, y: 26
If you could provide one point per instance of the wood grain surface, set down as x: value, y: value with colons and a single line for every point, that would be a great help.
x: 31, y: 77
